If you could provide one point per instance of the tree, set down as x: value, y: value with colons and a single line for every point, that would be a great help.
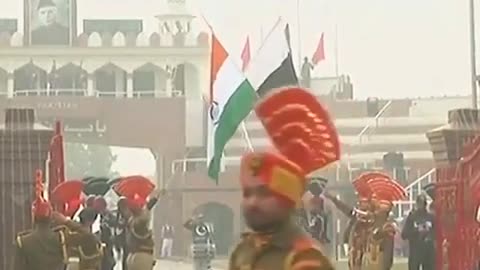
x: 83, y: 160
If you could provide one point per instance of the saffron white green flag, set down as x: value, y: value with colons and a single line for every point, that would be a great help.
x: 231, y: 99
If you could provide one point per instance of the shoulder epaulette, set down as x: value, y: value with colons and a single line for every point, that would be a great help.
x: 19, y: 238
x: 59, y: 228
x: 300, y: 244
x: 62, y: 231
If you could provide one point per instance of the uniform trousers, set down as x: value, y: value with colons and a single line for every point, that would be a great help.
x: 140, y: 261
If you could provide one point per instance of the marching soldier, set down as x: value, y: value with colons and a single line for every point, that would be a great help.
x: 43, y: 248
x: 140, y: 245
x: 360, y: 222
x: 380, y: 242
x: 84, y: 248
x: 203, y: 247
x: 273, y: 183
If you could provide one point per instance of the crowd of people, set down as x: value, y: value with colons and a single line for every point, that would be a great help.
x: 273, y: 185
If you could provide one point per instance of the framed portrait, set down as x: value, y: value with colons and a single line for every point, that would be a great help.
x: 50, y: 22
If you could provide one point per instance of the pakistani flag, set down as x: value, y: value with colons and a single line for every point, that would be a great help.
x: 231, y: 99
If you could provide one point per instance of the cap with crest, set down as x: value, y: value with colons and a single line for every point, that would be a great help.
x: 304, y: 138
x: 136, y: 189
x: 41, y: 208
x: 69, y: 194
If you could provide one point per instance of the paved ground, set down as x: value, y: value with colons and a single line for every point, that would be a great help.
x: 183, y: 265
x: 172, y: 265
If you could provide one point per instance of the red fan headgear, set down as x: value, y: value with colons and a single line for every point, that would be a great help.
x: 304, y: 137
x: 70, y: 194
x: 386, y: 191
x: 41, y: 208
x: 361, y: 184
x: 136, y: 189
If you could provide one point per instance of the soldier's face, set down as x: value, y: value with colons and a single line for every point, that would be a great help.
x: 261, y: 208
x: 47, y: 15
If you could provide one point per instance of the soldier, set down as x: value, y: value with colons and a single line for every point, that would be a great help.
x: 273, y: 183
x: 139, y: 236
x: 107, y: 223
x: 361, y: 219
x: 203, y: 247
x: 123, y: 213
x: 86, y: 246
x: 380, y: 242
x: 42, y: 248
x: 85, y: 249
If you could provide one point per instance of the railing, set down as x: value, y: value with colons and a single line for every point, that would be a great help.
x: 377, y: 116
x: 246, y: 136
x: 414, y: 189
x: 95, y: 93
x: 201, y: 162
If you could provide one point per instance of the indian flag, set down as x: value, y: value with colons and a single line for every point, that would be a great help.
x: 231, y: 99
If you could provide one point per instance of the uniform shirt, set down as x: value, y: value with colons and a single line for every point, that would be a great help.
x: 88, y: 249
x: 139, y: 235
x: 287, y: 249
x: 40, y: 250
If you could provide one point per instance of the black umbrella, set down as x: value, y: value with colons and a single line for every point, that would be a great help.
x: 97, y: 188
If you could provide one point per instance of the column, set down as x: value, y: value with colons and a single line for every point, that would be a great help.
x: 10, y: 85
x: 169, y: 87
x: 90, y: 85
x: 129, y: 85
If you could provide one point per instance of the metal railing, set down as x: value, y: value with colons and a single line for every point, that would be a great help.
x: 377, y: 116
x: 95, y: 93
x: 413, y: 189
x: 246, y: 136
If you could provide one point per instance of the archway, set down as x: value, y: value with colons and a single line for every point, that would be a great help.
x: 221, y: 216
x: 148, y: 80
x: 186, y: 80
x: 30, y: 80
x: 71, y: 79
x: 111, y: 80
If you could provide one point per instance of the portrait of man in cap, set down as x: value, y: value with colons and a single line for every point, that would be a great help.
x: 50, y: 22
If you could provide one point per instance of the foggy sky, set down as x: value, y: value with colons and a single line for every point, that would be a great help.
x: 389, y: 48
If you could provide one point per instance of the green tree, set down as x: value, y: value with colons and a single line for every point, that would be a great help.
x: 83, y: 160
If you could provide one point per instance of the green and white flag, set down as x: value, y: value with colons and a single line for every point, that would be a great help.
x: 231, y: 99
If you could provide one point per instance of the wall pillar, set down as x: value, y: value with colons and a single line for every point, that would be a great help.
x: 129, y: 85
x: 90, y: 85
x: 10, y: 85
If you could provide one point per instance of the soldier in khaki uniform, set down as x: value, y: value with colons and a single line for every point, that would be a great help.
x: 379, y: 252
x: 140, y: 245
x: 42, y: 248
x: 273, y: 184
x: 85, y: 250
x: 84, y: 244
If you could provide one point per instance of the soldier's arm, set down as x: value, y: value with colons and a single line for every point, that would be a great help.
x: 20, y: 263
x: 188, y: 224
x: 310, y: 259
x: 343, y: 207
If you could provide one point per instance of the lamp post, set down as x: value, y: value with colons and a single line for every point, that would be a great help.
x: 473, y: 61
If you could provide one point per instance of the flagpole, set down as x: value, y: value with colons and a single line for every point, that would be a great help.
x: 299, y: 36
x: 473, y: 60
x: 336, y: 51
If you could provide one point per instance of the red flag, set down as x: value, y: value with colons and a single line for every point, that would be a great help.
x: 246, y: 54
x: 319, y: 54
